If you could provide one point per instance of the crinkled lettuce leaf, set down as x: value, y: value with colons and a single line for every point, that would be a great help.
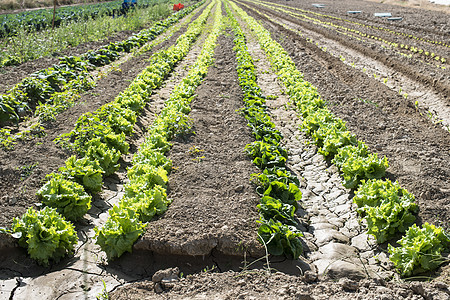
x: 420, y: 249
x: 45, y: 234
x: 386, y: 206
x: 120, y: 231
x: 68, y: 197
x: 84, y: 171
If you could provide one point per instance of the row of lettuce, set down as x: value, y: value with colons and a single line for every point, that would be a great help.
x: 145, y: 194
x: 35, y: 20
x: 408, y: 50
x: 349, y: 31
x: 279, y: 189
x: 387, y: 208
x: 50, y: 91
x: 375, y: 27
x: 99, y: 140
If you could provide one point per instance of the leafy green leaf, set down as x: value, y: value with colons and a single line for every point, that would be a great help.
x: 280, y: 239
x: 288, y: 194
x: 45, y: 234
x: 271, y: 208
x: 68, y: 197
x: 420, y: 249
x: 146, y: 202
x: 107, y: 158
x: 120, y: 231
x: 84, y: 171
x: 386, y: 206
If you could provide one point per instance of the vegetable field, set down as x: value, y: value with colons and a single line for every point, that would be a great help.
x: 231, y: 149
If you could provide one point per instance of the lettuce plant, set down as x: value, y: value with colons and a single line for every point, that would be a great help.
x: 356, y: 169
x: 266, y: 155
x: 151, y: 175
x: 420, y: 249
x: 268, y: 175
x: 121, y: 230
x: 280, y: 239
x: 68, y: 197
x: 357, y: 164
x: 286, y: 193
x: 152, y: 157
x: 387, y: 208
x: 84, y: 171
x: 45, y: 233
x: 147, y: 203
x: 271, y: 208
x: 106, y: 157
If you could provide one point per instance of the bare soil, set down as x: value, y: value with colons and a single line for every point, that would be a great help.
x: 260, y: 285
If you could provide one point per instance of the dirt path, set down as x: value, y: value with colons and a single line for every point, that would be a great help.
x: 259, y: 285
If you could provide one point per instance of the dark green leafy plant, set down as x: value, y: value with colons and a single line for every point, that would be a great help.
x: 271, y: 208
x: 280, y: 239
x: 266, y: 155
x: 268, y: 175
x: 288, y: 194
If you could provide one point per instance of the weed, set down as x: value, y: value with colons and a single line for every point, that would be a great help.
x: 27, y: 170
x: 104, y: 294
x: 367, y: 101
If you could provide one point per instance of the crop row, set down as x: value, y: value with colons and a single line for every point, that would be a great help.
x: 99, y: 141
x: 380, y: 28
x: 432, y: 116
x: 41, y: 19
x: 277, y: 186
x: 387, y: 208
x: 145, y: 194
x: 366, y: 26
x: 30, y: 45
x: 55, y: 89
x: 430, y: 56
